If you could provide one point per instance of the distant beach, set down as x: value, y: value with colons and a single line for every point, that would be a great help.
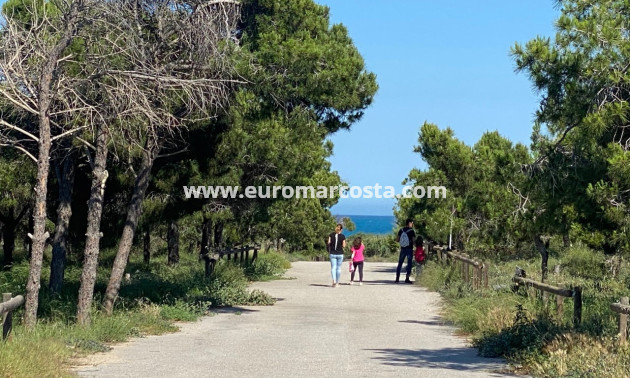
x: 370, y: 224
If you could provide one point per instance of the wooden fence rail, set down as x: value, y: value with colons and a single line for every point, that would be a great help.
x: 6, y: 310
x: 575, y: 293
x: 479, y: 276
x: 238, y: 254
x: 623, y: 309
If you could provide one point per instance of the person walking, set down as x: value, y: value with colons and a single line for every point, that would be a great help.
x: 405, y: 238
x: 357, y: 259
x: 336, y: 244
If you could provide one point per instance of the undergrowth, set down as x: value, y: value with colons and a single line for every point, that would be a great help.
x: 155, y: 296
x: 516, y: 324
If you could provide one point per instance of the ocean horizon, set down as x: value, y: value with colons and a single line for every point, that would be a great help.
x: 370, y: 224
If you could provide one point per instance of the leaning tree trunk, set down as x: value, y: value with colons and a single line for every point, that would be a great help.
x: 147, y: 246
x: 173, y: 243
x: 64, y: 213
x: 544, y: 254
x: 93, y: 233
x: 134, y: 211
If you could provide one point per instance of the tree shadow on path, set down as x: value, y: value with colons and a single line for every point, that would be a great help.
x: 463, y: 359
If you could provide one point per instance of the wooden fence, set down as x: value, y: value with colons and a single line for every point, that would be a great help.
x: 623, y: 310
x: 479, y: 276
x: 575, y: 293
x: 6, y: 311
x: 237, y: 254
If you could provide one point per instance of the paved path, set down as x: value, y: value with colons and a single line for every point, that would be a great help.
x: 379, y: 329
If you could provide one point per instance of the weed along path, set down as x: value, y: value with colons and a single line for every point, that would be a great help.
x: 379, y: 329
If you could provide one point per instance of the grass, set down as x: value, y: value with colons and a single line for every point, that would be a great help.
x: 518, y: 327
x: 156, y: 296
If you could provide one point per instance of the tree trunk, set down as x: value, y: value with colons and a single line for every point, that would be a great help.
x: 44, y: 98
x: 134, y: 210
x: 544, y: 254
x: 565, y: 240
x: 64, y: 213
x: 8, y: 234
x: 28, y: 242
x: 173, y: 243
x: 206, y: 234
x: 93, y: 233
x: 39, y: 215
x: 218, y: 234
x: 147, y: 246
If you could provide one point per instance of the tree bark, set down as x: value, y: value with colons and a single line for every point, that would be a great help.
x: 544, y: 254
x: 93, y: 233
x: 173, y: 243
x: 147, y: 246
x: 8, y: 234
x: 134, y: 211
x: 218, y: 234
x: 206, y: 234
x: 44, y: 98
x: 64, y: 213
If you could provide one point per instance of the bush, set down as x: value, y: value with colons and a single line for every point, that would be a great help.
x: 267, y: 266
x: 228, y: 285
x: 524, y: 336
x: 582, y: 261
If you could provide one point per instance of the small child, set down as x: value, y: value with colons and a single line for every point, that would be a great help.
x: 357, y: 259
x: 419, y: 254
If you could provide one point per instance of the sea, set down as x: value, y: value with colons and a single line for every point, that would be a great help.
x: 370, y: 224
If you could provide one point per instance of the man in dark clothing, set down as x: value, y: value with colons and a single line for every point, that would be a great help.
x: 406, y: 241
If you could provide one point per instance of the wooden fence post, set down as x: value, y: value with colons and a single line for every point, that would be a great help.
x: 577, y: 306
x: 623, y: 322
x: 255, y: 255
x: 466, y: 271
x: 478, y: 280
x: 485, y: 268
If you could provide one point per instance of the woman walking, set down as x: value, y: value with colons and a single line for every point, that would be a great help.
x: 336, y: 244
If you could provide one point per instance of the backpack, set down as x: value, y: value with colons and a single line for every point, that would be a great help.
x: 419, y: 255
x: 404, y: 239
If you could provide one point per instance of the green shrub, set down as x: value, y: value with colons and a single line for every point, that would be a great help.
x: 184, y: 311
x: 582, y: 261
x: 525, y: 336
x: 268, y: 265
x: 260, y: 298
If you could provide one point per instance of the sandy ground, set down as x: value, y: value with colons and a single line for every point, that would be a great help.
x: 380, y: 329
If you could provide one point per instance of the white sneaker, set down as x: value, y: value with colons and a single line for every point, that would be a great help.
x: 351, y: 282
x: 360, y: 283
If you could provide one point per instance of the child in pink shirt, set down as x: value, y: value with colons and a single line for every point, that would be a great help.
x: 357, y: 259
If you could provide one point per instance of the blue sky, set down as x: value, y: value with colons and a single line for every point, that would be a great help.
x: 446, y: 62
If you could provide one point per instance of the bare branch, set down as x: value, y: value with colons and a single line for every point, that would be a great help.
x: 22, y: 149
x: 18, y: 129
